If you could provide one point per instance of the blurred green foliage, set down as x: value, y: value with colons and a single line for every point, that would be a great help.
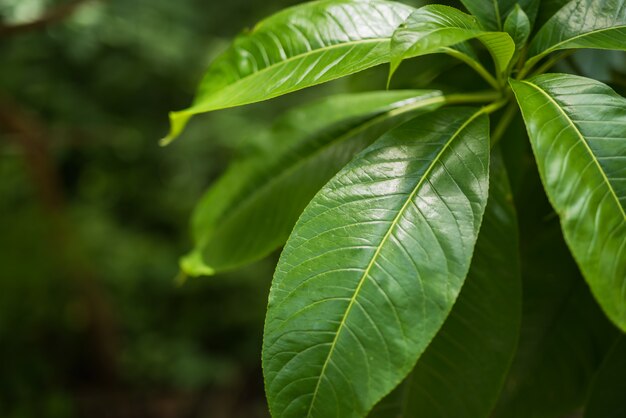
x: 95, y: 89
x: 92, y: 320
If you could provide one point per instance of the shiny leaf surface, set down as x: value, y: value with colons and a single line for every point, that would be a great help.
x: 374, y: 266
x: 299, y: 47
x: 577, y: 128
x: 462, y: 371
x: 582, y: 24
x: 251, y: 210
x: 431, y: 28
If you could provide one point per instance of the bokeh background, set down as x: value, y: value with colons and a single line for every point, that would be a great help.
x: 94, y: 214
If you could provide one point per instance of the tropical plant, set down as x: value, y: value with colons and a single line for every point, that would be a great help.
x: 401, y: 276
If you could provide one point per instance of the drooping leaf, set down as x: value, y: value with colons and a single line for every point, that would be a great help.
x: 251, y: 210
x: 577, y: 128
x: 517, y: 25
x: 462, y: 371
x: 431, y: 28
x: 492, y: 13
x: 564, y: 334
x: 607, y: 398
x: 582, y: 24
x: 374, y: 265
x: 299, y: 47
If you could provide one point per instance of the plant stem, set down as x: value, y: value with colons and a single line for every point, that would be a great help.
x: 503, y: 123
x: 551, y: 62
x: 474, y: 65
x: 545, y: 67
x: 490, y: 108
x: 478, y: 97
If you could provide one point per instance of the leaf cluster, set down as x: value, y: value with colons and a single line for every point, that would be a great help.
x: 399, y: 289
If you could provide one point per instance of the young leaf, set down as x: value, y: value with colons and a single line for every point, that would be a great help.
x: 462, y: 371
x: 607, y: 399
x: 518, y: 26
x: 577, y: 128
x: 582, y: 24
x: 299, y: 47
x: 492, y: 13
x: 251, y: 210
x: 374, y: 266
x: 431, y: 28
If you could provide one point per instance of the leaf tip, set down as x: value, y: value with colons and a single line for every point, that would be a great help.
x: 178, y: 121
x: 193, y: 265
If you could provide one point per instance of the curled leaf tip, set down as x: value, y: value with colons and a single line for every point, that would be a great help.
x: 193, y: 265
x: 178, y: 121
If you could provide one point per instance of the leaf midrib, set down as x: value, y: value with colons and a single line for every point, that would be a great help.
x: 558, y: 45
x: 229, y: 87
x: 392, y: 226
x: 584, y: 141
x: 241, y: 204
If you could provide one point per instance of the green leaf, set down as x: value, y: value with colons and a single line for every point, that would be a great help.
x: 431, y: 28
x: 582, y: 24
x: 251, y: 210
x: 492, y: 13
x: 564, y: 334
x: 299, y: 47
x: 577, y: 128
x: 374, y: 265
x: 462, y: 371
x: 607, y: 399
x: 517, y: 25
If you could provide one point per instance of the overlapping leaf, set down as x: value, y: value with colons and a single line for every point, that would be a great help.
x: 462, y: 371
x: 607, y: 399
x: 577, y: 127
x: 492, y: 13
x: 582, y: 24
x: 564, y: 334
x: 374, y: 266
x: 299, y: 47
x: 431, y: 28
x: 251, y: 210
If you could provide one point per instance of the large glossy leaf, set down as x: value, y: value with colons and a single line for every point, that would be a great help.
x: 462, y: 371
x: 582, y: 24
x: 431, y: 28
x: 564, y: 334
x: 577, y: 128
x: 374, y: 266
x: 251, y: 210
x: 299, y: 47
x: 607, y: 398
x: 492, y: 13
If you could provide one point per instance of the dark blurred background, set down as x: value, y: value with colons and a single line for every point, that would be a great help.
x: 94, y: 214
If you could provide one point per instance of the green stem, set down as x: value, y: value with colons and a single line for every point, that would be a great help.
x: 478, y: 97
x: 503, y: 123
x: 545, y: 67
x: 489, y: 109
x: 476, y: 66
x: 551, y: 62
